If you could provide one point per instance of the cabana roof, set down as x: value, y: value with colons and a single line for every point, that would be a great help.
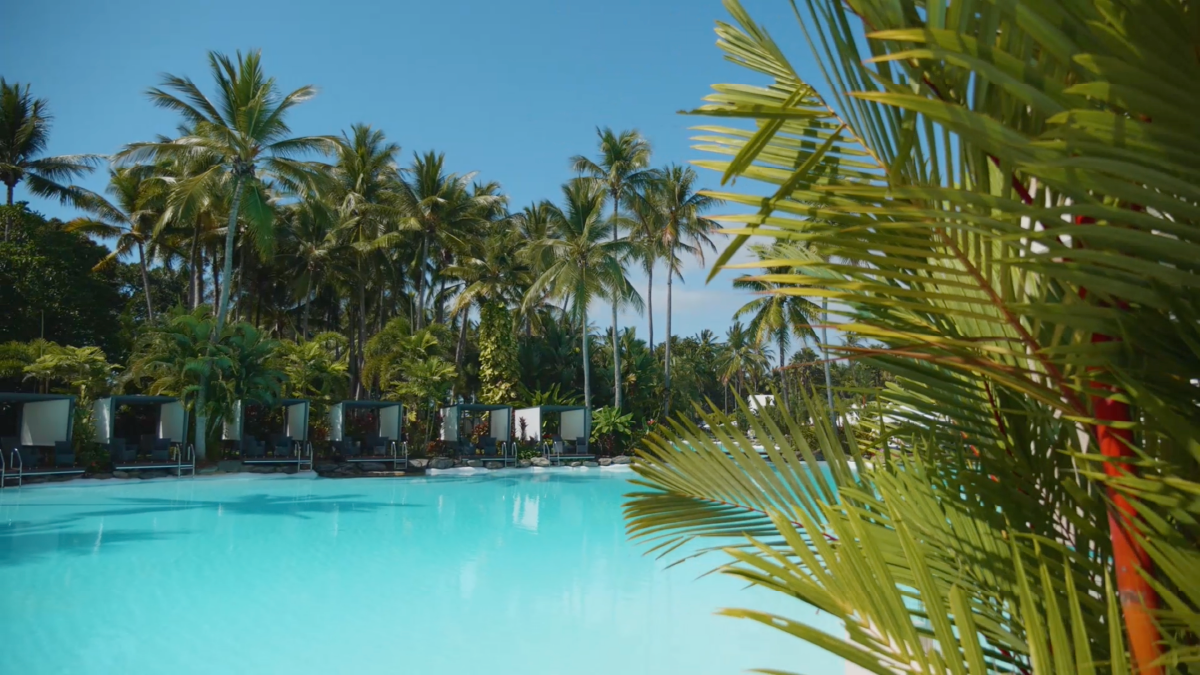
x: 558, y: 408
x: 479, y: 407
x: 368, y: 404
x: 16, y: 397
x: 141, y: 400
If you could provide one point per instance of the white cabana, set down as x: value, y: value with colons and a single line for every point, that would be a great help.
x: 573, y: 422
x: 759, y: 401
x: 499, y: 423
x: 170, y: 417
x: 295, y: 420
x: 41, y: 419
x: 391, y: 418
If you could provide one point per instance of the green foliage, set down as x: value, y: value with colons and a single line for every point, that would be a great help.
x: 48, y: 288
x: 611, y: 428
x: 551, y: 396
x: 498, y: 367
x: 313, y: 370
x: 1000, y: 203
x: 85, y: 371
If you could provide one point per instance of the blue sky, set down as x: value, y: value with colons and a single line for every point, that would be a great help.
x: 509, y: 89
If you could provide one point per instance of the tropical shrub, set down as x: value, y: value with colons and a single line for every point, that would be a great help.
x: 1000, y: 196
x: 611, y: 429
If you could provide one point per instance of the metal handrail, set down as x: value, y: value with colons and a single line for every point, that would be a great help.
x: 19, y: 463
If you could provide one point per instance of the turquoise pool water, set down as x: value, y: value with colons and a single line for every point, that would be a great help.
x: 499, y: 573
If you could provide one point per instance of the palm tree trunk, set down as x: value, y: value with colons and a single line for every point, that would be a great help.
x: 145, y: 281
x: 307, y: 307
x: 782, y: 380
x: 8, y: 218
x: 362, y: 332
x: 650, y: 304
x: 615, y: 337
x: 197, y: 262
x: 420, y: 322
x: 587, y: 367
x: 352, y: 357
x: 461, y: 346
x: 825, y: 351
x: 667, y: 344
x: 213, y: 263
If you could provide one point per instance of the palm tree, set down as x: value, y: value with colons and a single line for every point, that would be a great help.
x: 311, y: 245
x: 245, y: 130
x: 242, y: 132
x: 441, y: 209
x: 621, y: 170
x: 494, y: 272
x: 775, y: 316
x: 24, y: 135
x: 584, y: 262
x: 742, y: 357
x: 133, y: 220
x: 684, y: 230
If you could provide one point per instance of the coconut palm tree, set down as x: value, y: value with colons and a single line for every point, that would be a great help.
x: 741, y: 357
x: 245, y: 129
x: 241, y: 133
x: 684, y: 230
x: 442, y: 210
x: 132, y: 220
x: 585, y: 263
x: 776, y: 317
x: 622, y: 170
x: 24, y: 135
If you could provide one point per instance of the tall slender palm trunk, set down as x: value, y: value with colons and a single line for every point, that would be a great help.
x: 650, y: 304
x: 420, y: 318
x: 616, y: 341
x: 307, y: 307
x: 145, y: 281
x: 667, y: 344
x: 782, y: 373
x: 222, y: 310
x: 587, y: 367
x: 197, y: 261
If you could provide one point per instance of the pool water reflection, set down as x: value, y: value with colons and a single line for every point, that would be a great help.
x: 501, y: 572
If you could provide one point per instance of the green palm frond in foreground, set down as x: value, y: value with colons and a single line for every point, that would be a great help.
x: 1005, y: 200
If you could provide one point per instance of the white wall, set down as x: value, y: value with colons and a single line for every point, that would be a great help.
x: 232, y: 430
x: 172, y: 422
x: 297, y: 421
x: 102, y: 412
x: 45, y: 422
x: 450, y: 424
x: 533, y: 424
x: 391, y: 421
x: 574, y: 425
x: 335, y: 422
x: 501, y: 419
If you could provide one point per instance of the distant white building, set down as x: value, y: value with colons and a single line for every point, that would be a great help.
x: 759, y: 401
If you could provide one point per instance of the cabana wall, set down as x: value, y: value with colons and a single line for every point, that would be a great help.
x: 171, y: 416
x: 42, y: 419
x: 499, y: 421
x: 573, y: 422
x: 295, y: 417
x: 391, y: 418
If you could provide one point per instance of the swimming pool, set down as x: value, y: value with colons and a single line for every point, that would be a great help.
x: 489, y: 572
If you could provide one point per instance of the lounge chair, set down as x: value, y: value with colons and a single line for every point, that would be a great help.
x: 120, y: 453
x: 252, y: 448
x: 64, y: 455
x: 160, y: 451
x: 281, y: 446
x: 30, y: 457
x: 375, y: 446
x: 146, y: 446
x: 581, y: 446
x: 347, y: 448
x: 489, y: 446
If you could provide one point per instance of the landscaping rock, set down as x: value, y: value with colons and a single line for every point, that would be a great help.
x: 442, y: 463
x: 154, y: 474
x: 120, y: 474
x: 373, y: 466
x: 591, y: 464
x: 290, y: 469
x: 575, y: 464
x: 102, y: 476
x: 524, y: 463
x: 605, y: 461
x: 460, y: 462
x: 325, y: 468
x: 259, y: 468
x: 540, y: 461
x: 418, y: 463
x: 206, y: 470
x: 229, y: 465
x: 494, y: 465
x: 475, y: 463
x: 621, y: 459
